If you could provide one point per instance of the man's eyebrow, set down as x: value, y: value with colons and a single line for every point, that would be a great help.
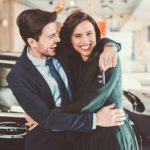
x: 51, y: 34
x: 54, y: 33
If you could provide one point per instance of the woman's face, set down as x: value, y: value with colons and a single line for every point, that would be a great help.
x: 83, y: 39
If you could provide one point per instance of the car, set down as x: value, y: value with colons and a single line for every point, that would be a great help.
x: 12, y: 122
x: 137, y: 106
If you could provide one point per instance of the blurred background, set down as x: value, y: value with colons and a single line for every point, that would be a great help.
x: 126, y: 21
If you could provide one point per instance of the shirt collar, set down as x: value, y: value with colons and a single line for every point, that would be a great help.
x: 36, y: 61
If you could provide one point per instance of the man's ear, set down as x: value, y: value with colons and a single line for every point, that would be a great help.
x: 32, y: 42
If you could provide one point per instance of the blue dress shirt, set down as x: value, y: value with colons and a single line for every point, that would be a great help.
x: 44, y: 70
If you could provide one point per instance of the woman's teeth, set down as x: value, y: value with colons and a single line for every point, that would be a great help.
x: 85, y: 47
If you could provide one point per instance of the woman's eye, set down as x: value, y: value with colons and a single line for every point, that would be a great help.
x: 89, y: 33
x: 77, y: 36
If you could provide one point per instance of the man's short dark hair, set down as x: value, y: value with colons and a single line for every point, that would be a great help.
x: 32, y: 21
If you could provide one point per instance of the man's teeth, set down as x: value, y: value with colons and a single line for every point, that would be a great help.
x: 53, y: 47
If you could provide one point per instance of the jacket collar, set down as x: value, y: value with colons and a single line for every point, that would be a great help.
x: 37, y: 77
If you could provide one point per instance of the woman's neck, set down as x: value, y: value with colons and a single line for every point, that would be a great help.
x: 84, y: 58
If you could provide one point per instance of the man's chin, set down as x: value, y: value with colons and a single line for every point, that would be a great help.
x: 52, y: 54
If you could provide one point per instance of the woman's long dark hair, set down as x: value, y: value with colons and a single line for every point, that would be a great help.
x: 70, y: 24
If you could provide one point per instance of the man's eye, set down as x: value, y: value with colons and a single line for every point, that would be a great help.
x: 51, y: 36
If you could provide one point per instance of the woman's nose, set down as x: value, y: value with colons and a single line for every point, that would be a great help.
x: 85, y: 39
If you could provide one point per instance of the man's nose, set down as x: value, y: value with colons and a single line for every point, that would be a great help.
x: 57, y: 39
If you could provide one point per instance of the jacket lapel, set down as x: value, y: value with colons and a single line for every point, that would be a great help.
x: 37, y: 77
x: 62, y: 60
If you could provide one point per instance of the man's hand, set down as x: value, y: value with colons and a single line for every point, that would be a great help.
x: 108, y: 57
x: 108, y: 116
x: 31, y: 124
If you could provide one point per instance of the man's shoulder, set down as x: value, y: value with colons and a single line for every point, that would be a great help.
x: 16, y: 69
x: 19, y: 67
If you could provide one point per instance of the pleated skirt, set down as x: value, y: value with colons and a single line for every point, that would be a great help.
x: 102, y: 138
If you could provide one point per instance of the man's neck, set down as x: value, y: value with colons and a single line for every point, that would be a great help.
x: 36, y: 54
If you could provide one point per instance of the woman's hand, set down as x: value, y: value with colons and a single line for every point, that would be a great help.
x: 108, y: 57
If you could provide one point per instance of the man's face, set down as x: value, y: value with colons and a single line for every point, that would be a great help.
x: 47, y: 42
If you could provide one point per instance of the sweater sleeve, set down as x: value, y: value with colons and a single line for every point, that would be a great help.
x: 109, y: 93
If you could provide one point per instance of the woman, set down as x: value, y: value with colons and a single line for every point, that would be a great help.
x: 93, y: 88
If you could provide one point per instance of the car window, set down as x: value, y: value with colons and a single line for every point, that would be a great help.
x: 8, y: 102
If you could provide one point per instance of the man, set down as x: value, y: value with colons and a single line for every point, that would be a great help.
x: 39, y: 93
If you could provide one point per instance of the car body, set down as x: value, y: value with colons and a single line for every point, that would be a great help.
x: 12, y: 122
x: 137, y: 106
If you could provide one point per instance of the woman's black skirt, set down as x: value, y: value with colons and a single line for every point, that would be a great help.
x: 102, y: 138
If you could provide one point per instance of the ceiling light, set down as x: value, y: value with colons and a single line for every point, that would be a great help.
x: 72, y: 3
x: 51, y: 2
x: 72, y: 6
